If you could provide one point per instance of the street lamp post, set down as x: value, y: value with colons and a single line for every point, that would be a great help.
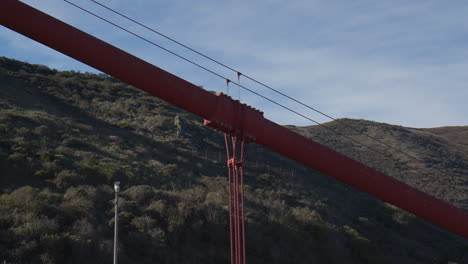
x: 116, y: 218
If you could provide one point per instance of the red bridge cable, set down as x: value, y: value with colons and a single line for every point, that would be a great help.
x: 275, y: 90
x: 242, y: 86
x: 235, y: 162
x: 241, y: 168
x: 231, y: 231
x: 255, y: 93
x: 236, y: 202
x: 254, y: 80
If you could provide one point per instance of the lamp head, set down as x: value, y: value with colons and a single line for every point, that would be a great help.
x: 117, y: 186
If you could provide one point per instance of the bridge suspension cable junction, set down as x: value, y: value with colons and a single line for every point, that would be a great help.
x: 235, y: 139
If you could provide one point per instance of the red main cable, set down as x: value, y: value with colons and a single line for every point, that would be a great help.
x: 255, y: 81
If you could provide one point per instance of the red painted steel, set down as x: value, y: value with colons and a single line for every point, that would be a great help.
x: 231, y: 216
x: 235, y: 164
x: 107, y: 58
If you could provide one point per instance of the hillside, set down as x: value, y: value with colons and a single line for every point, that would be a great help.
x: 457, y: 136
x: 65, y: 137
x: 441, y: 167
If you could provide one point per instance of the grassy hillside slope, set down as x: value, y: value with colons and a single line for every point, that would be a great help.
x: 65, y: 137
x: 438, y: 164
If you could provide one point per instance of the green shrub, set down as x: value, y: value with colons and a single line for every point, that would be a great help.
x: 17, y: 157
x: 157, y: 207
x: 114, y: 171
x: 24, y: 199
x: 74, y: 143
x: 140, y: 193
x: 79, y: 201
x: 41, y: 130
x: 311, y: 220
x: 35, y: 227
x: 67, y: 178
x: 143, y: 223
x: 43, y: 174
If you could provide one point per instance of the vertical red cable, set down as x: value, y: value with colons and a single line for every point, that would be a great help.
x: 236, y: 199
x: 236, y: 226
x: 229, y: 164
x: 241, y: 169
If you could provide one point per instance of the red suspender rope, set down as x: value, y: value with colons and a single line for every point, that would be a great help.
x: 235, y: 139
x: 231, y: 231
x: 241, y: 169
x: 235, y: 162
x: 241, y: 174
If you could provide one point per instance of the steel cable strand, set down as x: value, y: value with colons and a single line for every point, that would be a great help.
x: 256, y: 81
x: 244, y: 87
x: 231, y: 231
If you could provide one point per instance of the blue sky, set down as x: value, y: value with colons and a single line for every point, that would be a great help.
x: 399, y: 62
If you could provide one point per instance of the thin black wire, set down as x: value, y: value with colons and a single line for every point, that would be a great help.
x: 147, y: 40
x: 254, y: 80
x: 238, y: 84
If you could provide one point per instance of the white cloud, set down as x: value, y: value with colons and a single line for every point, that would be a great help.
x: 399, y: 62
